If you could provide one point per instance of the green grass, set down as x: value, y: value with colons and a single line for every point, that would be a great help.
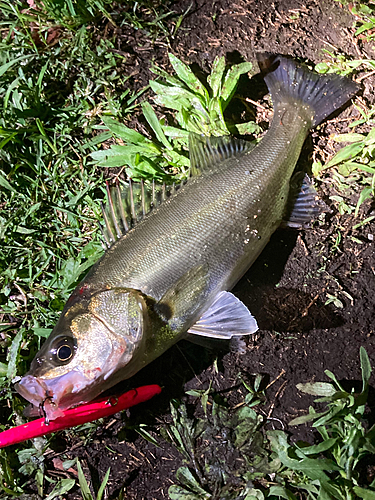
x: 352, y: 168
x: 197, y: 108
x: 364, y: 22
x: 230, y: 443
x: 52, y: 100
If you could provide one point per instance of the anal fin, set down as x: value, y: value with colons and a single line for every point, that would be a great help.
x: 227, y: 317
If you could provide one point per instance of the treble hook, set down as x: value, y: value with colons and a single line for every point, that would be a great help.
x: 112, y: 400
x: 43, y: 411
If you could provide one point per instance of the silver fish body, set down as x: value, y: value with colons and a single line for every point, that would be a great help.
x: 169, y: 274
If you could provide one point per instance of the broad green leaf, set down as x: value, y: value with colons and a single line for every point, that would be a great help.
x: 248, y: 128
x: 187, y: 76
x: 175, y: 133
x: 370, y: 138
x: 178, y: 160
x: 312, y: 468
x: 231, y: 80
x: 329, y: 491
x: 4, y: 68
x: 333, y: 377
x: 98, y: 139
x: 364, y: 195
x: 62, y: 487
x: 186, y: 478
x: 5, y: 184
x: 172, y: 97
x: 366, y: 168
x: 155, y: 124
x: 246, y: 426
x: 178, y: 493
x: 365, y: 367
x: 42, y: 332
x: 318, y: 448
x: 216, y: 115
x: 316, y: 168
x: 322, y: 67
x: 24, y: 230
x: 303, y: 419
x: 364, y: 493
x: 254, y: 494
x: 13, y: 354
x: 333, y: 411
x: 348, y: 152
x: 216, y: 77
x: 347, y: 168
x: 281, y: 492
x: 364, y: 27
x: 317, y: 388
x: 118, y: 156
x: 3, y: 369
x: 126, y: 133
x: 352, y: 137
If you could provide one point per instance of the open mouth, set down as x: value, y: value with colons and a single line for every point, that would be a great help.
x: 53, y: 396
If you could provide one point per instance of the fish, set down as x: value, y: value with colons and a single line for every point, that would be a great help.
x: 174, y: 255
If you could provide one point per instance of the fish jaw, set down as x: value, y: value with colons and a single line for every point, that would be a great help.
x: 54, y: 395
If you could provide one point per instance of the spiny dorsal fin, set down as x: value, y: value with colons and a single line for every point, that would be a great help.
x: 129, y: 203
x: 207, y: 152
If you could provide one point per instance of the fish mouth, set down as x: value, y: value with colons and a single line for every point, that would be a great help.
x: 53, y: 396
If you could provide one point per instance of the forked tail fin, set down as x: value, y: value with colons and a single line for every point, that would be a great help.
x: 288, y: 81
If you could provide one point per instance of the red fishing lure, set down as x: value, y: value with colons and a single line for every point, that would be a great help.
x: 80, y: 415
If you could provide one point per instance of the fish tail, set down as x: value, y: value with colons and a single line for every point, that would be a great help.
x: 288, y: 81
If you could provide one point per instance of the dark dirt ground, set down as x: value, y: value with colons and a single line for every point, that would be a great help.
x: 286, y: 289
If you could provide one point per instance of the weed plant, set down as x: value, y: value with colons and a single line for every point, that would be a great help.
x: 55, y: 84
x: 230, y: 454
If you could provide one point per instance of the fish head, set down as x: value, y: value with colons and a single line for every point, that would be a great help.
x: 93, y: 339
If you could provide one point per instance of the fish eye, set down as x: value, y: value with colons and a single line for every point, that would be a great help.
x: 63, y: 350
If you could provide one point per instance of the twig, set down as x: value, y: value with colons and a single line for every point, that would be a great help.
x: 280, y: 390
x: 277, y: 378
x: 358, y: 80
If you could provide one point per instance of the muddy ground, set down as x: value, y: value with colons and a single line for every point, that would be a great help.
x: 286, y: 289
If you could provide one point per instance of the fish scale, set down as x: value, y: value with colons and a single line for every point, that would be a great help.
x: 208, y: 217
x: 169, y: 275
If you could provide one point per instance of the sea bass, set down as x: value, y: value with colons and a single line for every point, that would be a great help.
x: 168, y: 277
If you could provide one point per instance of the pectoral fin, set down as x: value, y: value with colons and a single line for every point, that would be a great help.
x: 226, y: 317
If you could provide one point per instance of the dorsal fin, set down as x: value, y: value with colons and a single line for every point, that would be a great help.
x: 129, y: 203
x: 207, y: 152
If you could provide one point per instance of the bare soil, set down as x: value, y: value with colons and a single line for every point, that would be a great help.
x: 286, y: 290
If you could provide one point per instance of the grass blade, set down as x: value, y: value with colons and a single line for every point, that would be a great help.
x: 365, y: 367
x: 103, y: 485
x: 155, y: 124
x: 85, y: 490
x: 187, y: 76
x: 5, y: 184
